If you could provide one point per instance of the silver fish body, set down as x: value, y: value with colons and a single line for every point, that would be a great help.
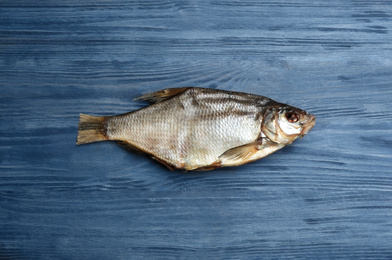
x: 201, y: 129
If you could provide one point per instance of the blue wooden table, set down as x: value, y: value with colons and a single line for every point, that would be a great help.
x: 328, y: 195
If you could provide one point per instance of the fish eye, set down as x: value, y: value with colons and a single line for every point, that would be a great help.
x: 292, y: 117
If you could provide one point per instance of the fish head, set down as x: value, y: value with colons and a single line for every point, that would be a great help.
x: 283, y: 124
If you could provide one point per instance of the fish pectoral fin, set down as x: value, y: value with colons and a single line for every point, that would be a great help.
x: 249, y: 152
x: 161, y: 95
x: 239, y: 155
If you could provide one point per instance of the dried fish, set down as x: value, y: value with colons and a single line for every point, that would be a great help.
x: 201, y: 129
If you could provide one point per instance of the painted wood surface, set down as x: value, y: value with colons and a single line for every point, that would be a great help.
x: 326, y: 196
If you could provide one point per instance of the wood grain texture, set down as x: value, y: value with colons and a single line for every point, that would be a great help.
x: 326, y: 196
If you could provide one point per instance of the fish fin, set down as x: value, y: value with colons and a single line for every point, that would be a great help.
x: 130, y: 147
x: 171, y: 167
x: 161, y: 95
x: 249, y: 152
x: 133, y: 148
x: 239, y: 155
x: 91, y: 129
x: 213, y: 166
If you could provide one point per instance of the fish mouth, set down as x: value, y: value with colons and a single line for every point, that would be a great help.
x: 309, y: 125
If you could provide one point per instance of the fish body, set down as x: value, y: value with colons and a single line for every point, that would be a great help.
x: 200, y: 128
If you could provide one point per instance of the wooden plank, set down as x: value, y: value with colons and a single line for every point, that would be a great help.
x: 326, y: 196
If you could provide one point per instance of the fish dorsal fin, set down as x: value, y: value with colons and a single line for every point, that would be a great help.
x: 249, y: 152
x: 161, y: 95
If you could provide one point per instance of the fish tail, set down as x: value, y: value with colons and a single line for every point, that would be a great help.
x: 91, y: 129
